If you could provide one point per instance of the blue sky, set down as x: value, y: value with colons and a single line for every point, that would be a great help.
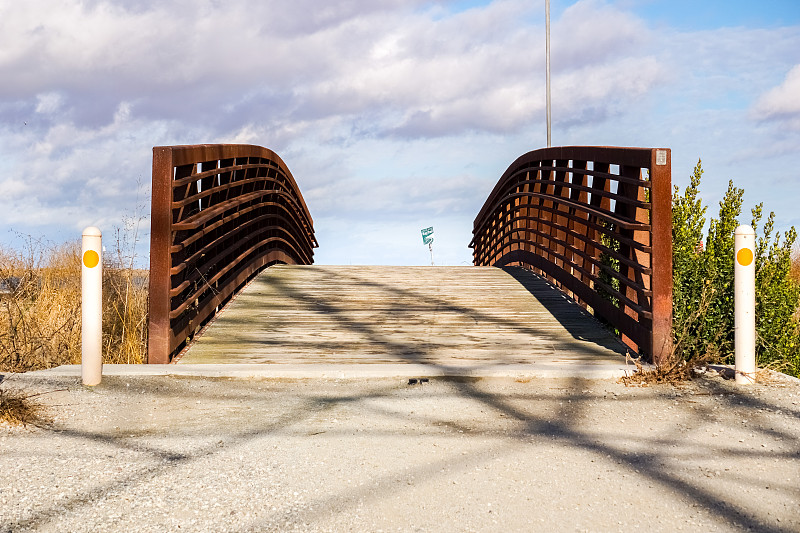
x: 393, y: 115
x: 711, y: 14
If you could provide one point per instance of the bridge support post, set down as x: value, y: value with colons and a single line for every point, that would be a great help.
x: 158, y: 337
x: 661, y: 223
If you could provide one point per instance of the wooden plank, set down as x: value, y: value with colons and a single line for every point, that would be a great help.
x: 376, y: 314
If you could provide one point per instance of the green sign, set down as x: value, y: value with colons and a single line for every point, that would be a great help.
x: 427, y: 235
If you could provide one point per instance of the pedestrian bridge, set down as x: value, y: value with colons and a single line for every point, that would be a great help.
x: 572, y: 246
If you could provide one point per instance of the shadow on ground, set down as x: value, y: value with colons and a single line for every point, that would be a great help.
x: 659, y: 441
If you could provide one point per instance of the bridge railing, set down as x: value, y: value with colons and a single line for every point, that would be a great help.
x: 220, y: 214
x: 597, y: 222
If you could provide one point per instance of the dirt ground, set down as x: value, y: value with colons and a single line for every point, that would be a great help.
x: 167, y: 453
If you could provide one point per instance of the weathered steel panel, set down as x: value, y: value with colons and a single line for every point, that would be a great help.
x: 220, y: 214
x: 600, y: 229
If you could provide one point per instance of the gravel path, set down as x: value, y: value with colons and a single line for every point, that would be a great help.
x: 197, y: 454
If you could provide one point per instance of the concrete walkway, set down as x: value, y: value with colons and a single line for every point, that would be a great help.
x: 602, y: 369
x: 183, y: 453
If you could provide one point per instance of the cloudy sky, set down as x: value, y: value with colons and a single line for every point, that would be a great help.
x: 393, y: 115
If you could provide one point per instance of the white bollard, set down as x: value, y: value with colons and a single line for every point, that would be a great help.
x: 91, y: 306
x: 744, y: 296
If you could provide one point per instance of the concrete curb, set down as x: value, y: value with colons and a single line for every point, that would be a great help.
x: 560, y: 369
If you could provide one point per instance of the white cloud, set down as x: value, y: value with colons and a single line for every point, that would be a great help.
x: 343, y: 91
x: 382, y: 58
x: 592, y: 31
x: 48, y: 102
x: 782, y: 102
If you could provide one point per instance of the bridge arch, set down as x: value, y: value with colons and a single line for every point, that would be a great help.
x: 220, y: 214
x: 597, y: 222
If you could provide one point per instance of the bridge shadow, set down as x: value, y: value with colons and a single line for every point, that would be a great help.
x: 580, y: 324
x: 566, y: 311
x: 534, y: 417
x: 376, y: 328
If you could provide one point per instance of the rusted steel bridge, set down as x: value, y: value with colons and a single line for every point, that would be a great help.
x: 590, y: 224
x: 220, y: 214
x: 596, y: 221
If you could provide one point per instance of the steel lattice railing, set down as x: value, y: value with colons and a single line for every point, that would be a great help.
x: 220, y: 214
x: 597, y: 222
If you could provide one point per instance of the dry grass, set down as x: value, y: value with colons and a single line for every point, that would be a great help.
x: 18, y: 409
x: 125, y: 315
x: 40, y: 308
x: 125, y: 292
x: 674, y: 372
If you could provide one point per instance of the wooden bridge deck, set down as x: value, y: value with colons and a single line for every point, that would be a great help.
x: 375, y: 314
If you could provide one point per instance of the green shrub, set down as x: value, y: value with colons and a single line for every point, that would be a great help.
x: 609, y: 263
x: 703, y: 306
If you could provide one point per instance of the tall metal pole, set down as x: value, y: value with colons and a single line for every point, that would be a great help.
x: 547, y: 53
